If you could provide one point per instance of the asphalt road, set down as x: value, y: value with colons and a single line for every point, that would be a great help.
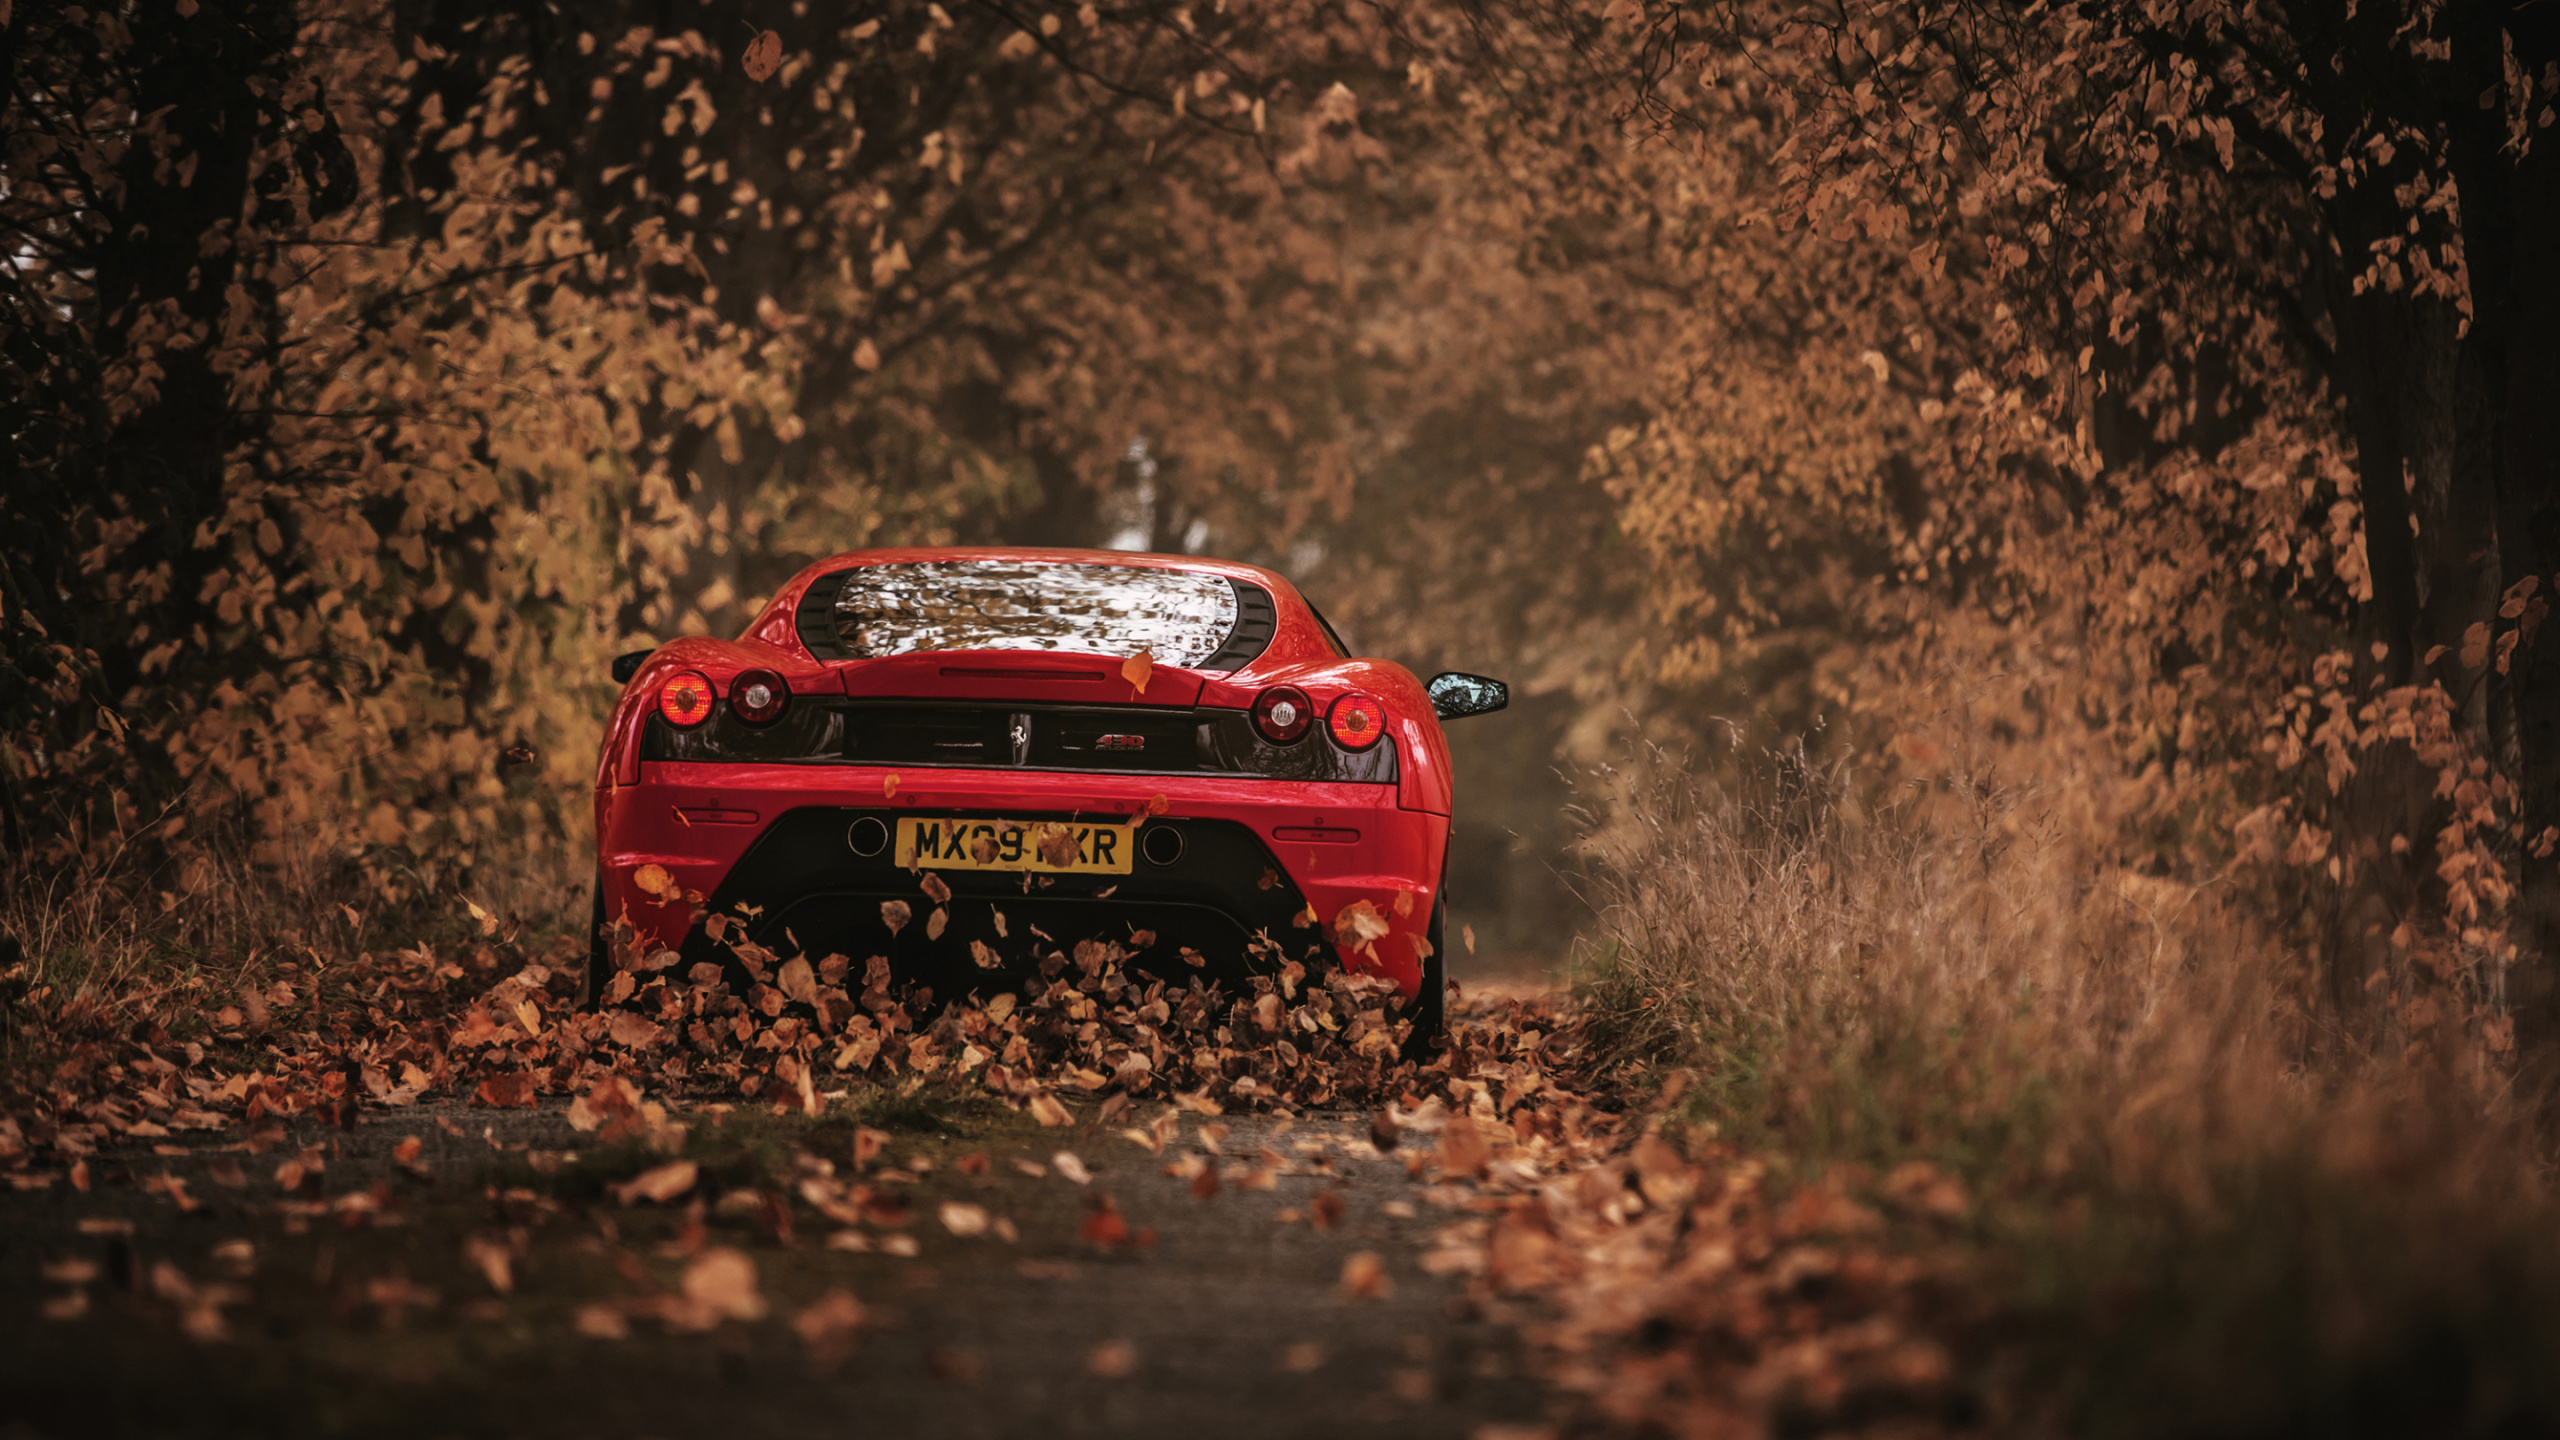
x: 372, y: 1317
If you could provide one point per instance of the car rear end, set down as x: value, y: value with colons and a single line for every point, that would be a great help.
x: 906, y: 733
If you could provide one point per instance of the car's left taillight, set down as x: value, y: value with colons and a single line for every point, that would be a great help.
x: 1283, y: 714
x: 684, y: 698
x: 758, y: 696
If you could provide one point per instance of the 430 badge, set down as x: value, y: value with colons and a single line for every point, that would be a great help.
x: 1055, y: 846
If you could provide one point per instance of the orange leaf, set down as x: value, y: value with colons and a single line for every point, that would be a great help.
x: 1137, y: 668
x: 764, y: 56
x: 506, y: 1092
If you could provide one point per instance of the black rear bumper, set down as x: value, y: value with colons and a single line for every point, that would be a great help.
x: 804, y: 888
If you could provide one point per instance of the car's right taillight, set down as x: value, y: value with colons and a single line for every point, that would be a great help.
x: 1283, y: 714
x: 1356, y: 720
x: 684, y: 698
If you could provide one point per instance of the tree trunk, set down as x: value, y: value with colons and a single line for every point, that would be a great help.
x: 2511, y: 245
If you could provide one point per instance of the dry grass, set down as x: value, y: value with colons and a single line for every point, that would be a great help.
x: 2203, y: 1207
x: 91, y: 933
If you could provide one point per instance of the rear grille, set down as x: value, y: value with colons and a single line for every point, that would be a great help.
x: 1116, y: 740
x: 927, y: 735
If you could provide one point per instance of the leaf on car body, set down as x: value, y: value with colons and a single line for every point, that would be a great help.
x: 1056, y: 843
x: 1137, y: 669
x: 1359, y: 925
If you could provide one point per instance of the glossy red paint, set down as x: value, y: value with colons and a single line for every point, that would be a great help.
x: 1340, y: 843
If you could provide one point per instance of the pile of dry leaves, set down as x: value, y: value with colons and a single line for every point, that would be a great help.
x: 502, y: 1027
x: 1669, y: 1287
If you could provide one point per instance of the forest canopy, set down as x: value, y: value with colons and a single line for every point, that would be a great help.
x: 2146, y: 402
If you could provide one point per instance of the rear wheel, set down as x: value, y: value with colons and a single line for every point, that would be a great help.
x: 599, y: 954
x: 1431, y: 1003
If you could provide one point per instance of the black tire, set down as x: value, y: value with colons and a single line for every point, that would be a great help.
x: 599, y: 958
x: 1431, y: 1004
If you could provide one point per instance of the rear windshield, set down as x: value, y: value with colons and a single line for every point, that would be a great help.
x: 1177, y: 616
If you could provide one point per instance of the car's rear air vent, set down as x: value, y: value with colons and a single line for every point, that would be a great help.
x: 927, y: 735
x: 1257, y: 620
x: 1128, y: 739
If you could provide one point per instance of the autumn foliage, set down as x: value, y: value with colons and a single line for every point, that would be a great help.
x: 2110, y: 445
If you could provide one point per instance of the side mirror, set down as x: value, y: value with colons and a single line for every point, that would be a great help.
x: 626, y: 666
x: 1454, y: 694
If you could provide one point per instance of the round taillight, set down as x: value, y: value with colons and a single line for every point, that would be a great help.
x: 1283, y: 714
x: 685, y: 698
x: 757, y: 696
x: 1356, y: 721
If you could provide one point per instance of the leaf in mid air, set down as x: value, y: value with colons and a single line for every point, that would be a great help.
x: 764, y: 57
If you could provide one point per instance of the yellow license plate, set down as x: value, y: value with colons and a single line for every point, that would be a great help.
x: 1068, y: 847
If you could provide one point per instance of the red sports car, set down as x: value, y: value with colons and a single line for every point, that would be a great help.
x: 1175, y: 754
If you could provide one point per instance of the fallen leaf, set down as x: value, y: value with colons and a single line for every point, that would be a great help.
x: 73, y: 1306
x: 722, y: 1280
x: 963, y: 1219
x: 1046, y: 1109
x: 829, y: 1326
x: 1468, y: 933
x: 1384, y: 1132
x: 1103, y: 1226
x: 506, y: 1092
x: 1136, y: 670
x: 1112, y: 1359
x: 660, y: 1184
x: 895, y: 914
x: 1325, y: 1211
x: 1070, y: 1167
x: 495, y: 1263
x: 867, y: 1145
x: 935, y: 890
x: 1364, y: 1277
x: 1464, y: 1151
x: 653, y: 880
